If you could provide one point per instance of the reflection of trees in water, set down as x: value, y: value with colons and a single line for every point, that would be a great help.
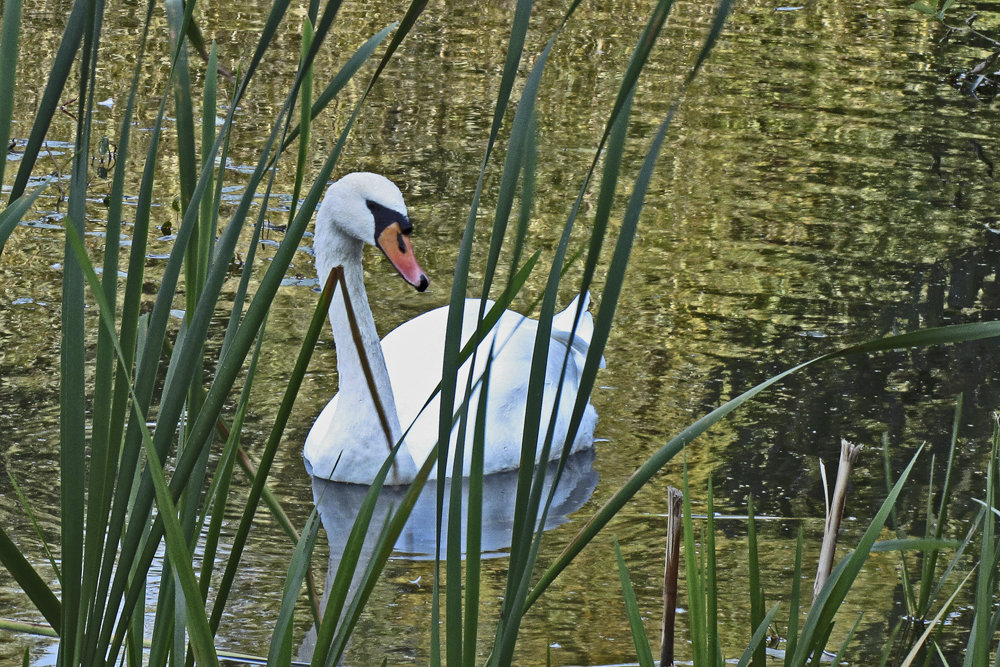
x: 909, y: 394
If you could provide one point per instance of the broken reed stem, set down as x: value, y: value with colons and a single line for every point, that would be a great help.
x: 671, y: 565
x: 835, y: 512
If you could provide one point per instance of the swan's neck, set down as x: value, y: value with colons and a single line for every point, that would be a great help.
x: 359, y: 431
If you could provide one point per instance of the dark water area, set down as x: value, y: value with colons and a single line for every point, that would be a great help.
x: 826, y: 182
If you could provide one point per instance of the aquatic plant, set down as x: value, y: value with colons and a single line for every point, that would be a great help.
x: 131, y: 490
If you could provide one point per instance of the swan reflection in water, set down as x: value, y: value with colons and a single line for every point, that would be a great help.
x: 338, y: 504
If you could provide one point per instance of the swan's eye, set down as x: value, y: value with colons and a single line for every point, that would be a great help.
x: 401, y: 243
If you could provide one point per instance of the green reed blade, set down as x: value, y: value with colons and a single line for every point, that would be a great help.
x: 176, y: 544
x: 284, y: 411
x: 305, y: 117
x: 819, y: 622
x: 758, y: 655
x: 839, y: 657
x: 35, y: 525
x: 914, y: 544
x: 280, y: 652
x: 346, y: 73
x: 526, y: 502
x: 11, y: 216
x: 794, y: 602
x: 77, y: 575
x: 209, y: 216
x: 980, y: 636
x: 639, y: 638
x: 55, y: 83
x: 695, y: 581
x: 758, y: 641
x: 929, y: 564
x: 9, y: 36
x: 218, y: 491
x: 179, y: 17
x: 474, y: 524
x: 30, y: 582
x: 711, y: 583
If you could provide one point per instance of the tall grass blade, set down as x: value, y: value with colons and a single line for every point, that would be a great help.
x: 697, y: 616
x: 639, y: 638
x: 819, y: 622
x: 280, y: 652
x: 981, y: 636
x: 929, y: 565
x: 759, y: 656
x: 30, y: 582
x: 759, y: 637
x: 55, y: 83
x: 794, y: 602
x: 9, y: 38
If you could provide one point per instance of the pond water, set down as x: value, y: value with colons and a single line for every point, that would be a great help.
x: 825, y: 183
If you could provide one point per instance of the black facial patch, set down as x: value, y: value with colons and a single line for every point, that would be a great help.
x: 385, y: 216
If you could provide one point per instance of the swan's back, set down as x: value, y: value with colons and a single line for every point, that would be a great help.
x: 414, y: 354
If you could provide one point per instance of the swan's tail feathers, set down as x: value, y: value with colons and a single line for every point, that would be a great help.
x: 562, y: 327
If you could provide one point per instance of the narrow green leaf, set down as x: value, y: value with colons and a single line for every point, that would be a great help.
x: 819, y: 622
x: 794, y: 602
x: 757, y: 640
x: 280, y: 652
x: 29, y: 581
x: 11, y: 216
x: 914, y: 544
x: 639, y: 638
x: 9, y: 37
x: 55, y: 83
x: 756, y: 590
x: 933, y: 336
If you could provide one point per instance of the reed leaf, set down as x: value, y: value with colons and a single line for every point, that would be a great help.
x: 55, y: 83
x: 12, y: 215
x: 30, y: 581
x: 819, y: 622
x: 759, y: 637
x: 757, y: 615
x: 280, y: 652
x: 10, y: 33
x: 639, y: 638
x: 931, y: 336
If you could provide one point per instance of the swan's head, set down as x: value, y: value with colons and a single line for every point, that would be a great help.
x: 369, y: 208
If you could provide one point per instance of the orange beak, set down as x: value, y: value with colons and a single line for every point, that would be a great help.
x: 396, y: 246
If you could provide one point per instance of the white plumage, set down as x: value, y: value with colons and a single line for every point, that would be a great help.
x: 347, y: 442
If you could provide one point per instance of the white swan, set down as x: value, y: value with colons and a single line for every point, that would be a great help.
x: 347, y: 442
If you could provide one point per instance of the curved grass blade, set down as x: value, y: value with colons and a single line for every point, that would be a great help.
x: 758, y: 655
x: 346, y: 73
x: 934, y: 336
x: 757, y: 640
x: 11, y: 216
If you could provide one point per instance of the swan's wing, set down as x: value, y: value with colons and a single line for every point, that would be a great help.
x: 562, y: 327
